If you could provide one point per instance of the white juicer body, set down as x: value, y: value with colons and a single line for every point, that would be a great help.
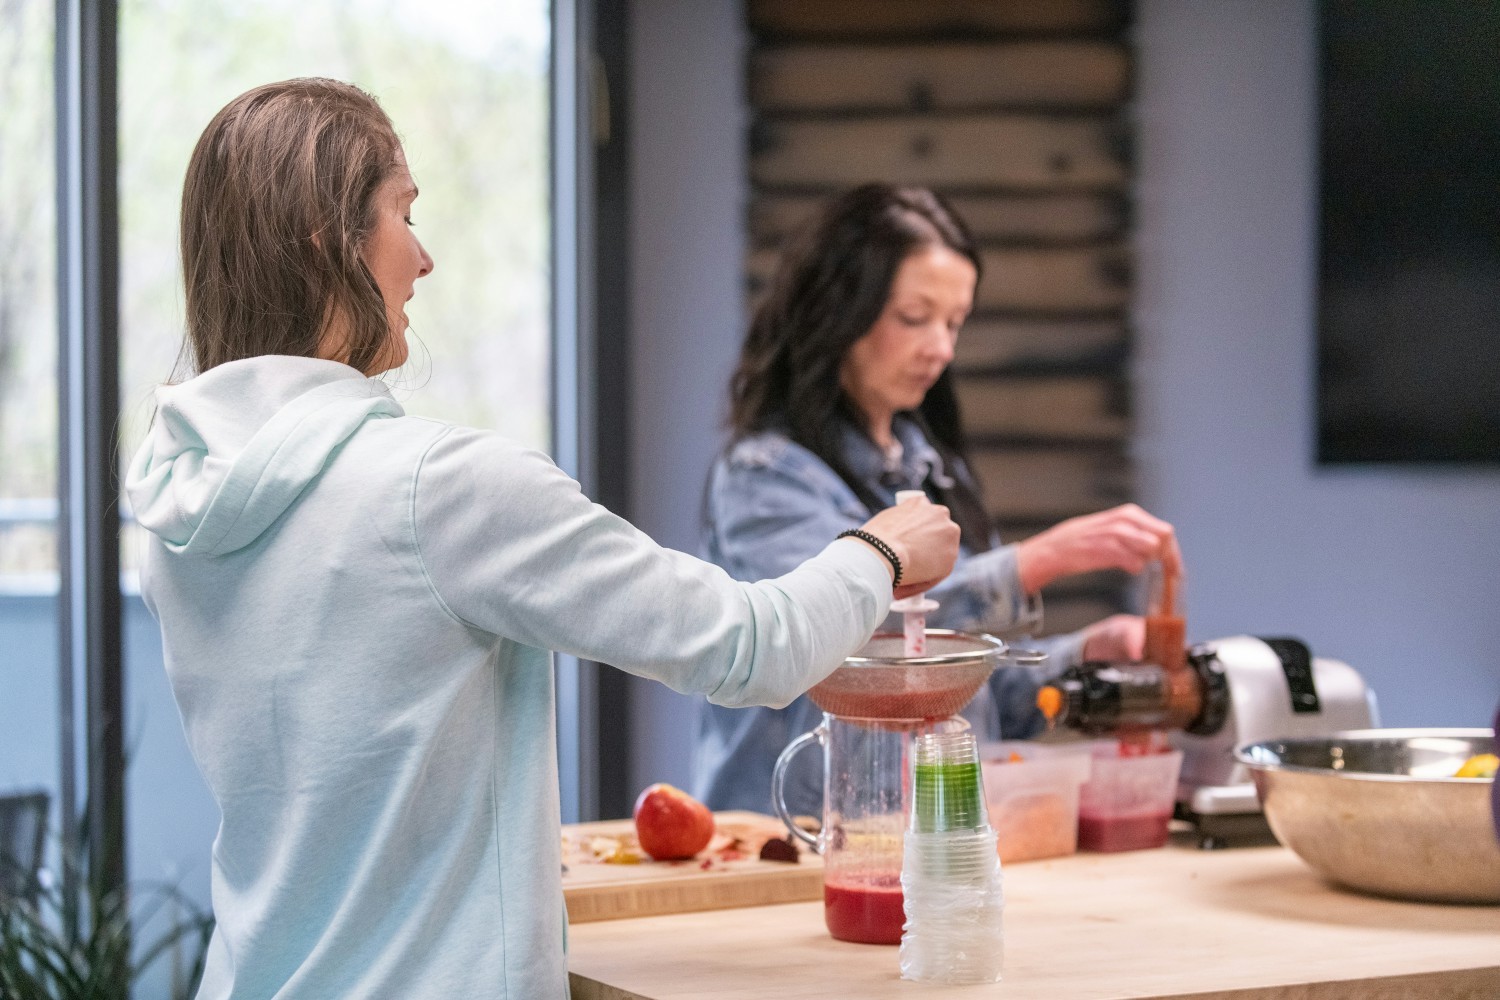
x: 1276, y: 690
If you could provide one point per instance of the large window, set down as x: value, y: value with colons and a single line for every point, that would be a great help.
x: 28, y: 405
x: 466, y: 83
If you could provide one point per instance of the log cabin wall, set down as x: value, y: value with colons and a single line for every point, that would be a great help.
x: 1017, y: 111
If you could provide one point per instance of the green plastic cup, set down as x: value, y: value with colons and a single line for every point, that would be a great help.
x: 947, y: 790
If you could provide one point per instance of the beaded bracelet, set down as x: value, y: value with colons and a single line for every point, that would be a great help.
x: 880, y: 546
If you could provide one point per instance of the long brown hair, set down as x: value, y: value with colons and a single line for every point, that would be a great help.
x: 830, y: 287
x: 276, y: 207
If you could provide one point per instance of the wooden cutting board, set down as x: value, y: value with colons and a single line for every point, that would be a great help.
x: 595, y: 890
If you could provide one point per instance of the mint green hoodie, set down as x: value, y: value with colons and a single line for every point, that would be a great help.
x: 356, y: 609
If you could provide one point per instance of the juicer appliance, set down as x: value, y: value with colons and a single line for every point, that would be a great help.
x: 1221, y: 695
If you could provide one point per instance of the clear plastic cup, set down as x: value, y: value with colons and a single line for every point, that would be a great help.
x: 961, y: 853
x: 954, y: 907
x: 954, y: 933
x: 950, y: 875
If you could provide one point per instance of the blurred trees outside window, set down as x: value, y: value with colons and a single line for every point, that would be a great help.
x: 28, y: 298
x: 465, y: 82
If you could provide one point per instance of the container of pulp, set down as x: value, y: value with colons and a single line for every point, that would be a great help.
x: 1032, y: 790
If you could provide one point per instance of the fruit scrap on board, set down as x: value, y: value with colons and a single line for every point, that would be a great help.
x: 780, y: 849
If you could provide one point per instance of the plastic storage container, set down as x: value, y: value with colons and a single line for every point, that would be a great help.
x: 1033, y: 801
x: 1126, y: 804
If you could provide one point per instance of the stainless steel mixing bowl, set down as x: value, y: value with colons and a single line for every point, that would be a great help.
x: 1379, y: 810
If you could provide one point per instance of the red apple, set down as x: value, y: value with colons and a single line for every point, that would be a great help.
x: 671, y: 824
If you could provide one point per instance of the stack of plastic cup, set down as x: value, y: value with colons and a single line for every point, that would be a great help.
x: 950, y: 875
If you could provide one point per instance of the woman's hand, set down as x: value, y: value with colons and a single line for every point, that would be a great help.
x: 923, y: 537
x: 1116, y: 639
x: 1124, y: 537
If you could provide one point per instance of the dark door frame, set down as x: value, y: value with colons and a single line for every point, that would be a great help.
x: 90, y: 661
x: 590, y: 388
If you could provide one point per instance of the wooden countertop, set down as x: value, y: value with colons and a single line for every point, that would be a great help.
x: 1242, y: 923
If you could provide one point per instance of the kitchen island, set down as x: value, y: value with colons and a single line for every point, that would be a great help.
x: 1241, y: 923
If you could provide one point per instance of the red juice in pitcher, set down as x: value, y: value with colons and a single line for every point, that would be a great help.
x: 867, y: 911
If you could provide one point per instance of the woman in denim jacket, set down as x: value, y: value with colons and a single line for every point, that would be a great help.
x: 841, y: 398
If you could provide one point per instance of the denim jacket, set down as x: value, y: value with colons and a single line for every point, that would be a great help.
x: 772, y: 504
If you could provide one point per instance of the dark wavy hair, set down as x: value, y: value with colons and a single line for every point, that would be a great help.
x: 829, y: 289
x: 276, y: 208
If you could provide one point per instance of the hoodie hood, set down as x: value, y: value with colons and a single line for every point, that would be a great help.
x: 230, y: 450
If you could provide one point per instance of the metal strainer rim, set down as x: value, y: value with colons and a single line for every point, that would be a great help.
x: 989, y: 648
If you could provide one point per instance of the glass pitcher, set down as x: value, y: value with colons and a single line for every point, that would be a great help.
x: 866, y: 802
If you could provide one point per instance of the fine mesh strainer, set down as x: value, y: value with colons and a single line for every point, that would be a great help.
x: 882, y: 682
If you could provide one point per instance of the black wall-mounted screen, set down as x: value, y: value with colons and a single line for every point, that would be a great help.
x: 1409, y: 241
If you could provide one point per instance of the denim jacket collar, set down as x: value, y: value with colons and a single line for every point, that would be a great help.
x: 919, y: 459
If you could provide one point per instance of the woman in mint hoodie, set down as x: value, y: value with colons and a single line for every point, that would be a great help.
x: 356, y: 605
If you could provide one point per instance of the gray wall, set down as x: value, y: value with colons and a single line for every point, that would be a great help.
x: 687, y: 190
x: 1392, y: 570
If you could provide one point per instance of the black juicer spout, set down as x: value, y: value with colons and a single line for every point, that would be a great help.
x: 1107, y: 699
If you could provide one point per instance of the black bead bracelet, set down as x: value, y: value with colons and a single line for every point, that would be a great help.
x: 880, y: 546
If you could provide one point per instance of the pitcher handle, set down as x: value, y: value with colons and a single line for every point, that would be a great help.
x: 778, y: 785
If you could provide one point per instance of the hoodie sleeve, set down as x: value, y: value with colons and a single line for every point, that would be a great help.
x: 510, y: 545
